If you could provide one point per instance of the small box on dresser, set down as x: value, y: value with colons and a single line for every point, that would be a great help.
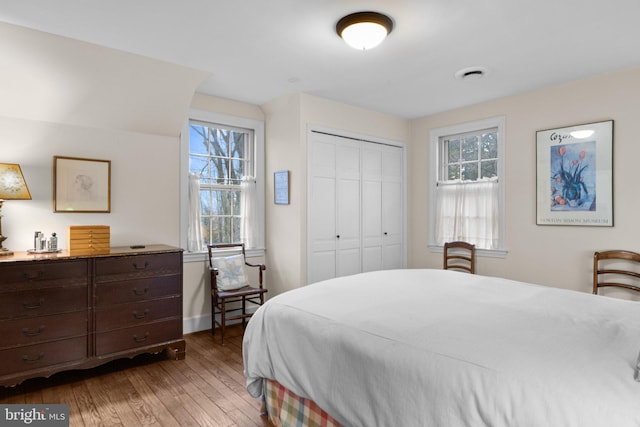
x: 89, y: 239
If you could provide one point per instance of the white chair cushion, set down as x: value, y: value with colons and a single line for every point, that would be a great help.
x: 231, y: 273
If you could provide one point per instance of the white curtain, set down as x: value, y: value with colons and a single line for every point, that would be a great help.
x: 194, y: 229
x: 468, y: 211
x: 248, y: 205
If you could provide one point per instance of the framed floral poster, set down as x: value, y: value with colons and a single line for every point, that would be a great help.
x: 575, y: 175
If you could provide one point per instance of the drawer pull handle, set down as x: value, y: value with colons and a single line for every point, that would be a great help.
x: 140, y: 267
x: 142, y: 292
x: 141, y: 339
x: 142, y: 315
x: 34, y: 359
x: 29, y: 333
x: 33, y: 275
x: 33, y: 305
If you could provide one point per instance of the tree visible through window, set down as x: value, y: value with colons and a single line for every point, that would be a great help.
x: 472, y: 156
x: 222, y: 156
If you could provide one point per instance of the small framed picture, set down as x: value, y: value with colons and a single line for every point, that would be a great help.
x: 575, y: 175
x: 81, y: 185
x: 281, y: 187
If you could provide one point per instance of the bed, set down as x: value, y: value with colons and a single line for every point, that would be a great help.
x: 420, y: 347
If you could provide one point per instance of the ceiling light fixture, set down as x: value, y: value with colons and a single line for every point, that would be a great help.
x: 364, y: 30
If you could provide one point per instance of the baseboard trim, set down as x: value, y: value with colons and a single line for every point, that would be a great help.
x: 203, y: 322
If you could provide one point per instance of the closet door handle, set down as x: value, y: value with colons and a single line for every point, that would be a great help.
x: 338, y: 236
x: 385, y: 233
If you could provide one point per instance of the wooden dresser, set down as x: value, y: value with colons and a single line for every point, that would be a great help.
x: 62, y: 311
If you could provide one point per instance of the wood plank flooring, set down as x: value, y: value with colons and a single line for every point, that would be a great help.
x: 207, y: 388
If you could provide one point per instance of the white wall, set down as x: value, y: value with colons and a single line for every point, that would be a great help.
x: 144, y: 182
x: 196, y: 279
x: 287, y: 121
x: 552, y: 255
x: 68, y: 98
x: 284, y: 222
x: 62, y: 97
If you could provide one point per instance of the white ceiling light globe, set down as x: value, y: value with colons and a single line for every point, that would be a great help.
x: 364, y: 30
x: 365, y: 35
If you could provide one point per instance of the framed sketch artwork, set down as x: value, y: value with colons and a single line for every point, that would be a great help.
x: 575, y: 175
x: 81, y: 185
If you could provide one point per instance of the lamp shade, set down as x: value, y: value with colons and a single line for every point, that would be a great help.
x: 364, y: 30
x: 12, y: 183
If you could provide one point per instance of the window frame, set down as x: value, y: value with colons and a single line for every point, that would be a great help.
x: 228, y: 187
x: 207, y: 117
x: 445, y: 143
x: 436, y: 158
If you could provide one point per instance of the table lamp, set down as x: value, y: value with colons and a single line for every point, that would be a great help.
x: 12, y: 187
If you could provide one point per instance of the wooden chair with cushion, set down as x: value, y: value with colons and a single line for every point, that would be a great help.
x: 460, y: 256
x: 616, y: 269
x: 229, y: 285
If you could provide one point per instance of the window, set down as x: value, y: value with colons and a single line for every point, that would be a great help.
x: 471, y: 156
x: 224, y: 156
x: 466, y: 198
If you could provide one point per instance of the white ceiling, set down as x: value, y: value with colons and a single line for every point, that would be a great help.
x: 257, y: 50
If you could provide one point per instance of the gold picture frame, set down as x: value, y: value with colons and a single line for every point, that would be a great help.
x: 81, y: 185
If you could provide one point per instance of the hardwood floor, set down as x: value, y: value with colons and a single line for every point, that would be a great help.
x: 205, y: 389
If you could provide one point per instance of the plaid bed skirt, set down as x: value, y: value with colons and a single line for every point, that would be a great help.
x: 286, y: 409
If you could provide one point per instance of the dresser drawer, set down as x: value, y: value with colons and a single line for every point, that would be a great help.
x: 138, y: 336
x: 32, y: 330
x: 137, y: 313
x: 39, y: 302
x: 36, y: 356
x: 137, y: 290
x: 139, y: 266
x: 42, y: 274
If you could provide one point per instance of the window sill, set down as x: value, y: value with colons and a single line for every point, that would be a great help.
x: 204, y: 256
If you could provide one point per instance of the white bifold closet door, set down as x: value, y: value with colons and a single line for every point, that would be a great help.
x: 355, y: 206
x: 382, y: 207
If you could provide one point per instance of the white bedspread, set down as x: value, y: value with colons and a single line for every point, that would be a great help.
x: 440, y: 348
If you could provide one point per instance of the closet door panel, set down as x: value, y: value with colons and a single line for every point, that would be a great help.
x: 372, y: 237
x: 393, y: 207
x: 355, y: 206
x: 371, y: 213
x: 322, y: 267
x: 348, y: 235
x: 321, y: 228
x: 322, y: 215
